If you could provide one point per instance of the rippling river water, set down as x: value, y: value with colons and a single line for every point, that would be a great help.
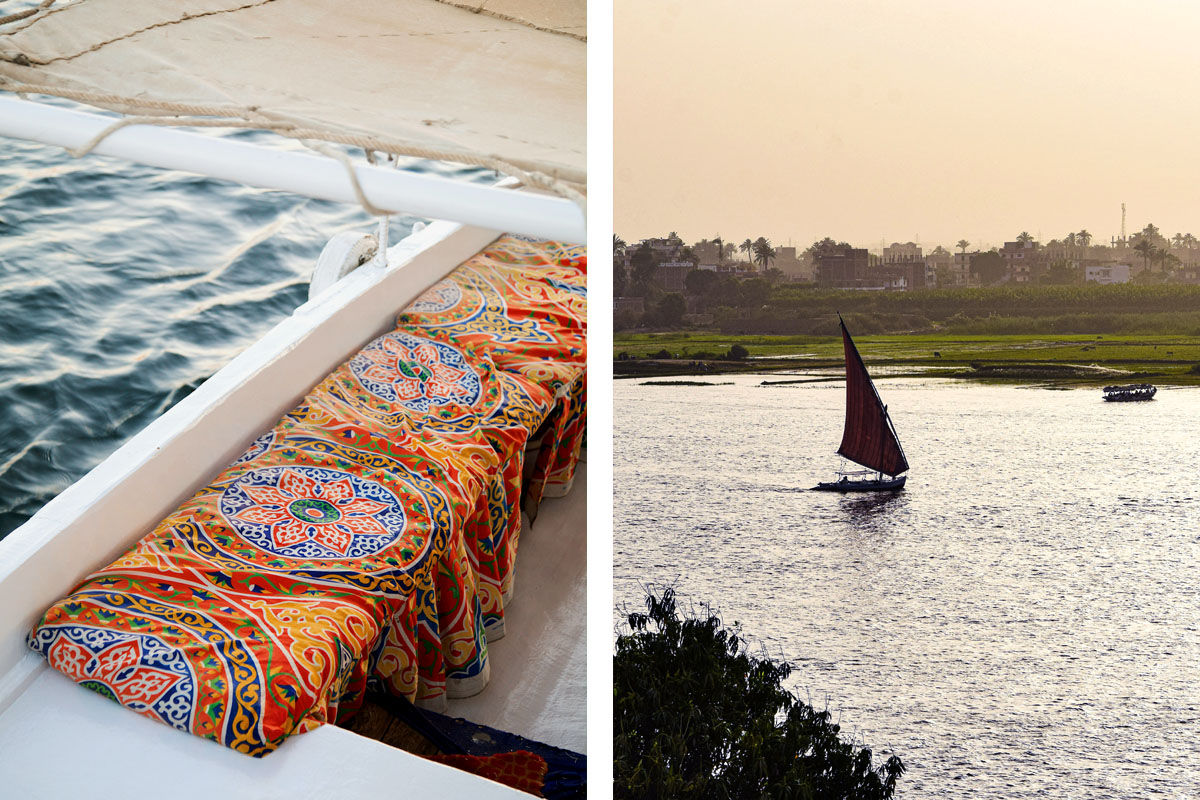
x: 1022, y: 621
x: 123, y: 287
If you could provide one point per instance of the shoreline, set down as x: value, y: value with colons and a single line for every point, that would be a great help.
x: 1066, y: 361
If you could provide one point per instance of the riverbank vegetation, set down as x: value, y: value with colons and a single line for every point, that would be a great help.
x: 789, y: 309
x: 696, y: 716
x: 1082, y: 359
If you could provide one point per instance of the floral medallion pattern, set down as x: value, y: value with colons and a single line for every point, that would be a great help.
x: 310, y: 512
x: 416, y: 373
x: 139, y: 672
x: 337, y: 551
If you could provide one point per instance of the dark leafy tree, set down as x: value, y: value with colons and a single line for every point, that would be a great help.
x: 1147, y: 250
x: 755, y: 292
x: 696, y: 716
x: 671, y: 308
x: 727, y: 291
x: 701, y: 281
x: 764, y: 253
x: 643, y: 268
x: 826, y: 246
x: 619, y: 277
x: 747, y: 247
x: 1061, y: 273
x: 738, y: 353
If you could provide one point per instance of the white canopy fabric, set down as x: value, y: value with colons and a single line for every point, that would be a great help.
x: 498, y: 80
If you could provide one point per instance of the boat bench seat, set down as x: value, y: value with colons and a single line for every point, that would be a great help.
x: 526, y: 308
x: 369, y: 538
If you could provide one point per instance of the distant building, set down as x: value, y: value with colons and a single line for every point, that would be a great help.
x: 1024, y: 261
x: 843, y: 268
x: 738, y: 269
x: 1107, y: 273
x: 961, y: 269
x: 663, y: 249
x: 901, y: 252
x: 790, y: 264
x: 1188, y: 274
x: 893, y: 277
x: 673, y: 274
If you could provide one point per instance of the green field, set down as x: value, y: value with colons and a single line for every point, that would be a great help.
x: 1169, y: 359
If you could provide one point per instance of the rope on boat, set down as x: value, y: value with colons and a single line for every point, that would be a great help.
x: 29, y: 12
x: 568, y: 184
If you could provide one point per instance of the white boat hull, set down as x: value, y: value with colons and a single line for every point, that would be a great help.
x: 866, y: 485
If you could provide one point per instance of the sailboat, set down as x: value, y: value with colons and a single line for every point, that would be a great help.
x: 869, y: 438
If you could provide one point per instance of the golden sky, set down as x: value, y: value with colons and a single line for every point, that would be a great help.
x: 938, y: 119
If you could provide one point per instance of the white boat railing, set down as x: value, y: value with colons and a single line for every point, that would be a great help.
x: 323, y: 178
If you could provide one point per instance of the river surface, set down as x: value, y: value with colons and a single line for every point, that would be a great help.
x: 1022, y: 621
x: 123, y: 287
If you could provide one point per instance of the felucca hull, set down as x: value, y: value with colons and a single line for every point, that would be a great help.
x: 889, y: 485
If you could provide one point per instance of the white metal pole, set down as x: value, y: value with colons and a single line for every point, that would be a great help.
x: 324, y: 178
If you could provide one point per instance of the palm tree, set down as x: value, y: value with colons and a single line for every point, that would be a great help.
x: 1070, y: 240
x: 1024, y: 237
x: 720, y: 243
x: 764, y: 254
x: 1084, y: 238
x: 1146, y: 249
x: 618, y: 246
x: 747, y: 247
x: 963, y: 244
x: 1177, y: 240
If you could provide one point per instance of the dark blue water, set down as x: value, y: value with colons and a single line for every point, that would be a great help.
x: 123, y: 287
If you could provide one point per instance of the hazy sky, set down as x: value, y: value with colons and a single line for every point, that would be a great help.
x: 938, y: 119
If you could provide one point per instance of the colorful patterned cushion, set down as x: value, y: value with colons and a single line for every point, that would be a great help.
x: 370, y: 536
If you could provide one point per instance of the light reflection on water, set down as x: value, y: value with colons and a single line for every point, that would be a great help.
x: 1022, y: 621
x: 123, y: 287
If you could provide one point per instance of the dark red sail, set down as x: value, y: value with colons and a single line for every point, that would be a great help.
x: 869, y: 438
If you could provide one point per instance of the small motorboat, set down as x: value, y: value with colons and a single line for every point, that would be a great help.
x: 1129, y: 392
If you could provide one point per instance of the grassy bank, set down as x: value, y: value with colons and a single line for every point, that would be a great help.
x: 1065, y: 358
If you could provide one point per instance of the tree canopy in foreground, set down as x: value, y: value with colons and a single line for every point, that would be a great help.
x: 697, y: 717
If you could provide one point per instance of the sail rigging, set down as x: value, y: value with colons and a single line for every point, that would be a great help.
x: 869, y: 438
x: 498, y: 83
